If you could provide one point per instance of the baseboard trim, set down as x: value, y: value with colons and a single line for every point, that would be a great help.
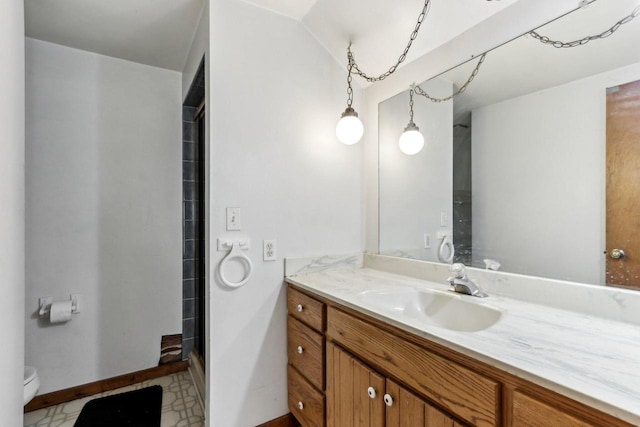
x: 284, y: 421
x: 89, y: 389
x: 196, y: 369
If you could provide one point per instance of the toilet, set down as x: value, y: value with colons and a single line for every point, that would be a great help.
x: 31, y: 383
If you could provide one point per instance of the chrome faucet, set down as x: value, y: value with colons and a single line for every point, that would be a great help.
x: 462, y: 284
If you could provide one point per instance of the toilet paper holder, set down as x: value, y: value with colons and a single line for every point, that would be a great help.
x: 45, y: 304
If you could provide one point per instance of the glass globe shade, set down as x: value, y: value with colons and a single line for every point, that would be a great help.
x: 411, y: 142
x: 349, y: 129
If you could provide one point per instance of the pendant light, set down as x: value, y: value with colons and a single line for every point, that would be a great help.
x: 349, y: 129
x: 411, y: 141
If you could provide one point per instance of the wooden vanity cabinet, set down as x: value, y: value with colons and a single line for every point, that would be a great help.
x: 463, y: 393
x: 358, y: 396
x: 306, y: 324
x: 350, y: 361
x: 354, y: 392
x: 530, y: 412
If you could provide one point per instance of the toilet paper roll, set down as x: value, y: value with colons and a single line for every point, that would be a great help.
x: 60, y: 311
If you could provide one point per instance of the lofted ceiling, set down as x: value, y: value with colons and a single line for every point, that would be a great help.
x: 525, y: 65
x: 158, y: 32
x: 152, y: 32
x: 379, y: 29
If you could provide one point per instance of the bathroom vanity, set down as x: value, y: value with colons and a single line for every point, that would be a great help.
x: 363, y: 352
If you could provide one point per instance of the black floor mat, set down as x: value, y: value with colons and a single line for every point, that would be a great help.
x: 138, y: 408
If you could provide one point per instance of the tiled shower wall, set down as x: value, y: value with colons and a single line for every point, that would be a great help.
x: 190, y: 224
x: 462, y: 220
x: 193, y: 182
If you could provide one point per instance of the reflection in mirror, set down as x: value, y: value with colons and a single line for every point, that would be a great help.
x: 535, y: 166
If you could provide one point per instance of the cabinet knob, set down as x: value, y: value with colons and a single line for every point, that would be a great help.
x: 300, y: 349
x: 388, y: 399
x: 617, y: 254
x: 371, y: 392
x: 299, y: 308
x: 300, y: 405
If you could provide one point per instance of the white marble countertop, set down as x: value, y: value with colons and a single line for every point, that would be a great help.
x: 592, y: 360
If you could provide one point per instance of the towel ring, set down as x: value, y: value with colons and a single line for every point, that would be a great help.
x: 446, y: 243
x: 235, y: 252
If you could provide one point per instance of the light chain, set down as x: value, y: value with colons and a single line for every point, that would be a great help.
x: 414, y: 34
x: 560, y: 44
x: 473, y: 75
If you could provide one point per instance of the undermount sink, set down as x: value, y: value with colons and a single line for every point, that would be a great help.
x: 434, y: 308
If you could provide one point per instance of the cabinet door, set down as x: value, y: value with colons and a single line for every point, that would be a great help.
x: 529, y: 412
x: 404, y: 409
x: 354, y: 392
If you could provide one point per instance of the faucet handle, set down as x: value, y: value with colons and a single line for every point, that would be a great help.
x: 458, y: 269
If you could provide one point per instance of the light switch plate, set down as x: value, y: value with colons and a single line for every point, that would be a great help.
x: 234, y: 220
x: 443, y: 219
x: 427, y: 240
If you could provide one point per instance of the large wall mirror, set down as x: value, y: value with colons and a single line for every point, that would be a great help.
x: 535, y: 168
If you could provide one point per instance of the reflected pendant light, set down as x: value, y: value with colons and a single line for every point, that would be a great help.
x: 411, y: 141
x: 349, y: 129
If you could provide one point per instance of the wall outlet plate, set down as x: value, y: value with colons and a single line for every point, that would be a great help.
x: 269, y: 250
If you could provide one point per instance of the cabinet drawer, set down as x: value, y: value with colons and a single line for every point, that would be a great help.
x: 305, y: 402
x: 529, y: 412
x: 306, y: 309
x: 305, y: 349
x: 464, y: 393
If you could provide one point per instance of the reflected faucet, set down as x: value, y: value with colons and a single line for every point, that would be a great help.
x: 462, y: 284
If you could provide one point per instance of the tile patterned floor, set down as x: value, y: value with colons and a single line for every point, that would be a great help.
x: 180, y: 405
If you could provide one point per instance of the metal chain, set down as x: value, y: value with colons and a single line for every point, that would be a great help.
x: 473, y: 75
x: 414, y: 34
x: 559, y: 44
x: 349, y: 88
x: 411, y: 103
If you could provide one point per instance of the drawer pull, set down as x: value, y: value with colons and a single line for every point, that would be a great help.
x: 299, y: 308
x: 371, y: 392
x: 300, y: 349
x: 388, y: 399
x: 300, y: 405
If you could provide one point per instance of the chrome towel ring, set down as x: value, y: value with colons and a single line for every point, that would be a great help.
x: 446, y: 245
x: 235, y: 252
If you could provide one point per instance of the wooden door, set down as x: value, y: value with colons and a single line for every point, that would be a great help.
x: 349, y: 403
x: 408, y: 410
x: 623, y: 185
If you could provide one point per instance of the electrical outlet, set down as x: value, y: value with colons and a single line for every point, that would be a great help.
x: 268, y: 250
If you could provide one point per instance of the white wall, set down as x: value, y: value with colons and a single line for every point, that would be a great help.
x: 103, y: 211
x: 199, y: 46
x: 11, y: 210
x: 414, y: 190
x: 276, y: 96
x: 539, y: 173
